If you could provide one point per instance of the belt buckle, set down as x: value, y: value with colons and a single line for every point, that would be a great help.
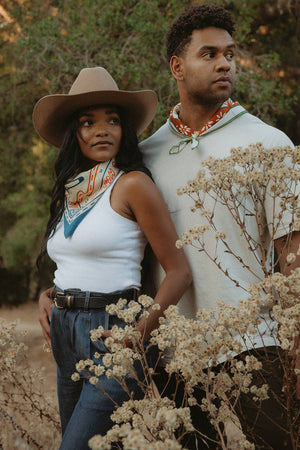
x: 55, y: 303
x: 55, y: 300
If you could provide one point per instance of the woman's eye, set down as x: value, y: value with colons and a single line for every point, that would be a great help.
x: 115, y: 120
x: 85, y: 123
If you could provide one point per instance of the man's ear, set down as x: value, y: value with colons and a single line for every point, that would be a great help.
x: 176, y: 67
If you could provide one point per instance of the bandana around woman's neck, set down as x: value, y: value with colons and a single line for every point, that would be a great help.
x: 83, y: 192
x: 189, y: 132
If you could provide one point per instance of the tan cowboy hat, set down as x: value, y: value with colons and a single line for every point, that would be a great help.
x: 93, y: 86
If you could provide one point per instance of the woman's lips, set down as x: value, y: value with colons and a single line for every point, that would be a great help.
x: 102, y: 144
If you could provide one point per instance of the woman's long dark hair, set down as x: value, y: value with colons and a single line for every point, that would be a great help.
x: 69, y: 162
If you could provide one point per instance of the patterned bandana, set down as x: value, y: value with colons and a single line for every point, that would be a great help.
x: 189, y: 132
x: 83, y: 192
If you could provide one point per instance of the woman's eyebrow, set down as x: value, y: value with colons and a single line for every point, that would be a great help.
x: 86, y: 114
x: 112, y: 111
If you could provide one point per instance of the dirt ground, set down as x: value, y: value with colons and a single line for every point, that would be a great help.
x: 34, y: 339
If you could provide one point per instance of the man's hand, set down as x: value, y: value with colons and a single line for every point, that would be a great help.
x: 45, y: 308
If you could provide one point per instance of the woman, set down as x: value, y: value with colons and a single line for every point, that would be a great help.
x: 104, y: 209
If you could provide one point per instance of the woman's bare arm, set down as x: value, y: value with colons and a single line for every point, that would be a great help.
x: 136, y: 196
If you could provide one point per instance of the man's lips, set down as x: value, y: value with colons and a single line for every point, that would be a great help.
x: 223, y: 80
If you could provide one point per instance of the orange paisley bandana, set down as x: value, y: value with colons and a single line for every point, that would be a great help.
x: 83, y: 192
x: 193, y: 135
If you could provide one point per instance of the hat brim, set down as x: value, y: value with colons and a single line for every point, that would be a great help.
x: 52, y: 114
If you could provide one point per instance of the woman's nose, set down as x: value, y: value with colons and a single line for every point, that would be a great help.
x: 101, y: 129
x: 102, y: 132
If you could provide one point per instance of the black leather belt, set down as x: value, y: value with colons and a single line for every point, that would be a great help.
x: 77, y: 299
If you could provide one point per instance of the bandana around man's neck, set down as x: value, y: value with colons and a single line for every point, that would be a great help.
x: 83, y: 192
x: 192, y: 134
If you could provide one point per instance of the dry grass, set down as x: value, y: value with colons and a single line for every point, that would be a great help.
x: 27, y: 315
x: 22, y: 425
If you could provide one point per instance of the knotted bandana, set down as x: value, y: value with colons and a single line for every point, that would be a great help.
x: 192, y: 136
x: 83, y: 192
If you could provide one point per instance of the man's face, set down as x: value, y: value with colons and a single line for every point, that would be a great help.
x: 208, y: 67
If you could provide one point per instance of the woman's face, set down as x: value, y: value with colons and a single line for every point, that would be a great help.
x: 99, y: 134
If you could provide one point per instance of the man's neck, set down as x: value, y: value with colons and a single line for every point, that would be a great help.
x: 196, y: 116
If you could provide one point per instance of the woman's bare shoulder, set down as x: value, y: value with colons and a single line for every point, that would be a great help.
x: 136, y: 176
x: 136, y: 180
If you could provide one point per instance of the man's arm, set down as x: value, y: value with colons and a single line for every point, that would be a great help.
x: 45, y: 309
x: 284, y: 246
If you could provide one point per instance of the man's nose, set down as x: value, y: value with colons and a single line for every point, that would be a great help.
x: 223, y: 64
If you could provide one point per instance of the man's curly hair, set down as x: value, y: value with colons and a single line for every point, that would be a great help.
x: 196, y: 18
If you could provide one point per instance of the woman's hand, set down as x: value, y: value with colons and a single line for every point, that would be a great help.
x: 107, y: 334
x: 45, y: 309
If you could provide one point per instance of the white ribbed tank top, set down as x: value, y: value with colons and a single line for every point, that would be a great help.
x: 104, y: 254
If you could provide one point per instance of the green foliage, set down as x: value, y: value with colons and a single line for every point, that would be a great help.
x: 44, y: 44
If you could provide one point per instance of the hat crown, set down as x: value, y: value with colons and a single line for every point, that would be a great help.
x: 93, y: 79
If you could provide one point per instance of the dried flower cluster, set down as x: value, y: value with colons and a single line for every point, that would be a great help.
x: 149, y: 423
x: 243, y: 183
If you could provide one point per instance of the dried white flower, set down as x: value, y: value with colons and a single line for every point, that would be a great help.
x: 178, y: 244
x: 75, y: 376
x: 291, y: 257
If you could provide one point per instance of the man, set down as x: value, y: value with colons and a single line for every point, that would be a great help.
x: 206, y: 123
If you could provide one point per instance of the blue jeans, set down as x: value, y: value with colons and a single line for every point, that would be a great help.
x: 84, y: 409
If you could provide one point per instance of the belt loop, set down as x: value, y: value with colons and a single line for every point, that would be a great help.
x: 53, y: 291
x: 86, y: 301
x: 70, y: 301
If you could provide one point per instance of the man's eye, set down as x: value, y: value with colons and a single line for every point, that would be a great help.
x: 230, y: 56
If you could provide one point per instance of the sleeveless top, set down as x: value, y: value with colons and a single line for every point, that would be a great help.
x: 104, y: 254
